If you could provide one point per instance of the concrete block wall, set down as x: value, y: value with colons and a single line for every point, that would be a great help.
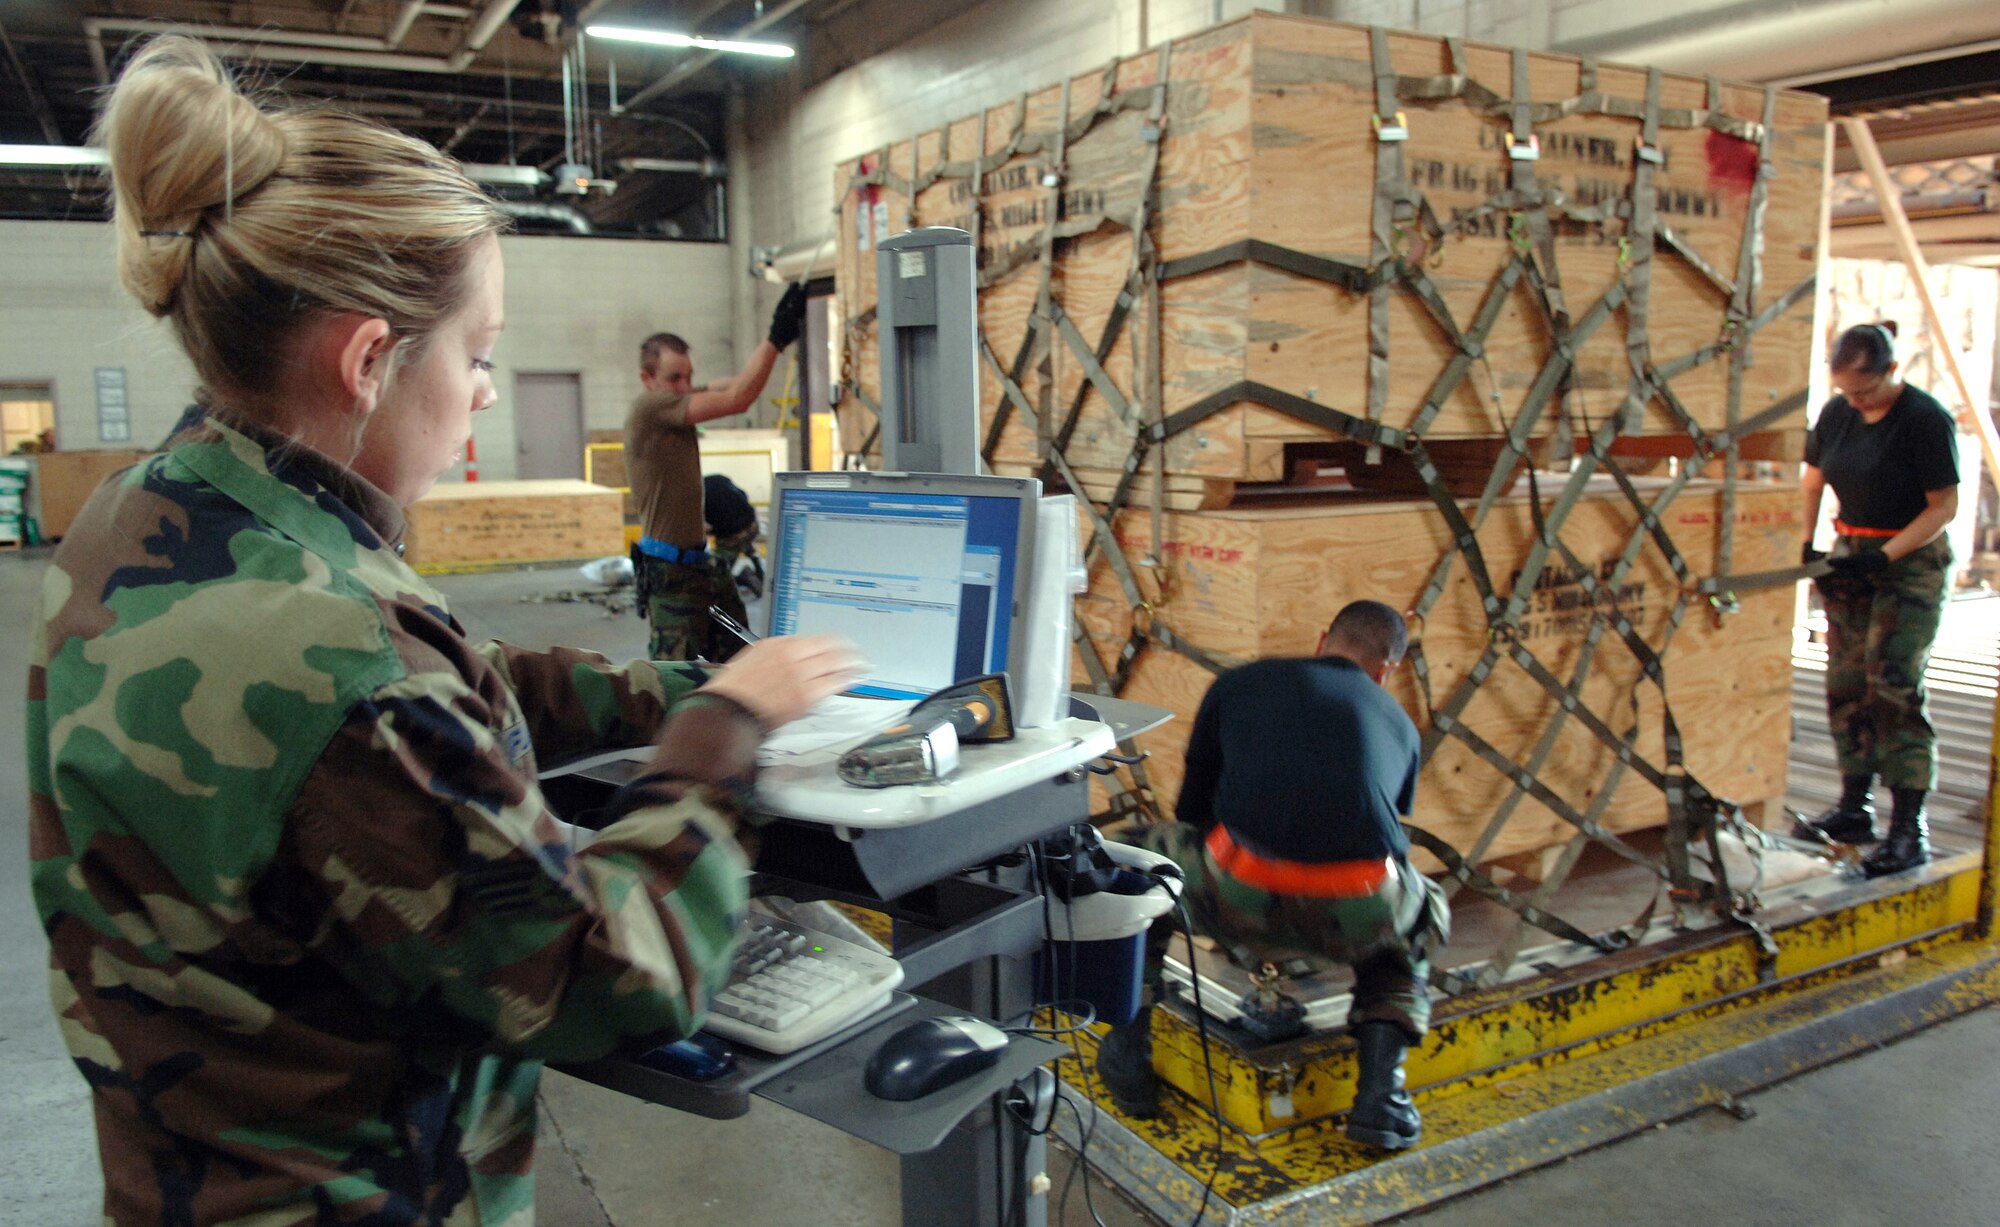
x: 63, y: 316
x: 573, y: 304
x: 585, y: 304
x: 986, y: 54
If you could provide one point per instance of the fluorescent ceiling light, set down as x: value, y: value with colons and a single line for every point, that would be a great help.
x: 660, y: 38
x: 52, y: 155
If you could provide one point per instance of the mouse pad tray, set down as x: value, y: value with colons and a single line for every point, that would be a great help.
x: 828, y: 1087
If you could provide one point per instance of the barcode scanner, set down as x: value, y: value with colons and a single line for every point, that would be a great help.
x: 922, y: 748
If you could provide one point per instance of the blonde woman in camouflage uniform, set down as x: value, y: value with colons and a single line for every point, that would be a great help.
x: 1890, y: 452
x: 313, y: 930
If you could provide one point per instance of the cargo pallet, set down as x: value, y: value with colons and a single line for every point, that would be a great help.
x: 1526, y: 1073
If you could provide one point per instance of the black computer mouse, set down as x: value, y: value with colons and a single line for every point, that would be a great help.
x: 933, y: 1053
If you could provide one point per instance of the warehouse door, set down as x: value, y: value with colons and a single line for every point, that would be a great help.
x: 548, y: 425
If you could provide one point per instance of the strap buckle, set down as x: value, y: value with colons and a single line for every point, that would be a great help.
x: 1397, y: 129
x: 1399, y: 244
x: 1142, y: 620
x: 1517, y: 234
x: 1529, y: 150
x: 1648, y: 153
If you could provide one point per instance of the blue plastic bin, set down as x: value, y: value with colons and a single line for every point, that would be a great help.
x: 1098, y: 949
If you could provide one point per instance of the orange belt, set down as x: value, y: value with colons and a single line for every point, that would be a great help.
x: 1324, y: 880
x: 1852, y: 530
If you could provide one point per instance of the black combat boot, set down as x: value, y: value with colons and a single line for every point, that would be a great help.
x: 1382, y: 1114
x: 1852, y: 821
x: 1125, y: 1062
x: 1909, y: 841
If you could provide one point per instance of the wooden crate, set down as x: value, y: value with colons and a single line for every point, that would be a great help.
x: 500, y: 523
x: 604, y: 462
x: 64, y: 481
x: 1252, y: 583
x: 748, y: 456
x: 1270, y: 138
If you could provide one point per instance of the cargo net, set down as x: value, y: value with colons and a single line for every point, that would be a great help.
x: 1405, y: 230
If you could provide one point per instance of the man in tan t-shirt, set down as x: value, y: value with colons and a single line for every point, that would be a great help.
x: 677, y: 578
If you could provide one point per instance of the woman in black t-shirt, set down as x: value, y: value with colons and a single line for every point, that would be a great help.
x: 1890, y: 452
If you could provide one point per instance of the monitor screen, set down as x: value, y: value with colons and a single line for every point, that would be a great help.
x: 923, y: 578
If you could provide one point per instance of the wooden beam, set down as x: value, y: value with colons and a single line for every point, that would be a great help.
x: 1889, y: 197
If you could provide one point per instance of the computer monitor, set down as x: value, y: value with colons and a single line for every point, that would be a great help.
x: 926, y: 573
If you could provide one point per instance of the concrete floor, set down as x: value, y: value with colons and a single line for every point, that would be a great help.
x: 1895, y: 1135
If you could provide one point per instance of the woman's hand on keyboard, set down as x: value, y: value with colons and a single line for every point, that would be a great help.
x: 780, y: 679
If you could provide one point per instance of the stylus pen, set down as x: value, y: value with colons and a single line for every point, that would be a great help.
x: 732, y: 625
x: 749, y: 636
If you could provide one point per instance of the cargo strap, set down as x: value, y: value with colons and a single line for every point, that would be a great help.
x: 1403, y: 232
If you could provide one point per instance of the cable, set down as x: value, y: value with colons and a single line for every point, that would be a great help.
x: 1083, y: 1141
x: 1040, y: 858
x: 1012, y: 1191
x: 1085, y: 1019
x: 1164, y: 876
x: 1208, y: 1062
x: 1012, y: 1211
x: 1084, y: 1132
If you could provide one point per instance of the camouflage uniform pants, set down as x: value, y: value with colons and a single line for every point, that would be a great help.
x: 1386, y: 937
x: 675, y: 597
x: 731, y: 549
x: 1879, y: 632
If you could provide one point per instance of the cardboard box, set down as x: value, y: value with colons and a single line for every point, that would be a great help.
x: 64, y: 481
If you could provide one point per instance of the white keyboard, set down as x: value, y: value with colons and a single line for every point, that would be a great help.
x: 792, y: 986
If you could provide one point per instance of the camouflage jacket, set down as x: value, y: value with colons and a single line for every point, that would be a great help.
x: 312, y: 928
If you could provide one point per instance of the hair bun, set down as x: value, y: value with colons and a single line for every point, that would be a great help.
x: 1888, y: 326
x: 181, y: 139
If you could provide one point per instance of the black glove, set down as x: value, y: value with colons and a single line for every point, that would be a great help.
x: 1860, y: 564
x: 789, y: 320
x: 1808, y: 555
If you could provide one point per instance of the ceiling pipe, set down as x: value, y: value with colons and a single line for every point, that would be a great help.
x: 707, y: 168
x: 503, y: 174
x: 1757, y: 40
x: 342, y: 50
x: 544, y: 211
x: 793, y: 262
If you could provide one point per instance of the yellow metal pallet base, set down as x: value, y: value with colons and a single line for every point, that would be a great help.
x: 1514, y: 1078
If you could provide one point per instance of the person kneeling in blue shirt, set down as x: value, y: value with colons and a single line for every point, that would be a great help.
x: 1289, y: 834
